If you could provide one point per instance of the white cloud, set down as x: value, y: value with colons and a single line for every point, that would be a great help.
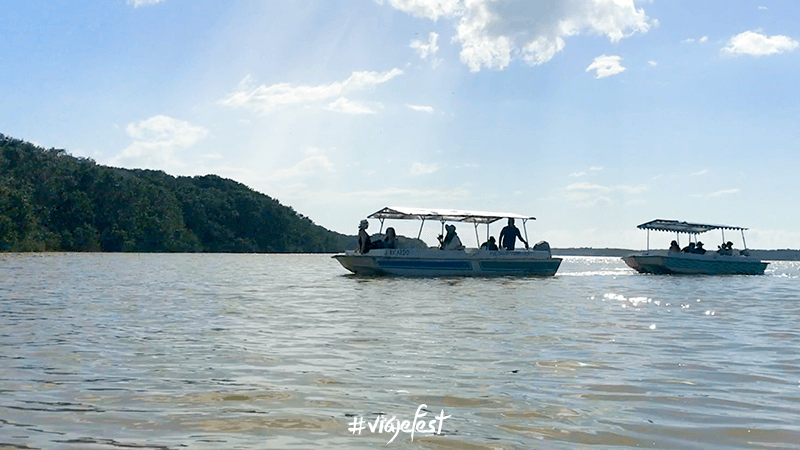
x: 588, y: 203
x: 269, y: 98
x: 638, y: 189
x: 762, y: 8
x: 724, y: 192
x: 702, y: 40
x: 757, y: 44
x: 586, y: 186
x: 606, y: 66
x: 431, y: 9
x: 312, y: 165
x: 423, y: 169
x: 344, y: 105
x: 700, y: 172
x: 425, y: 49
x: 156, y: 139
x: 585, y: 194
x: 595, y: 168
x: 393, y: 194
x: 718, y: 193
x: 577, y: 174
x: 493, y: 33
x: 652, y: 63
x: 422, y: 108
x: 138, y: 3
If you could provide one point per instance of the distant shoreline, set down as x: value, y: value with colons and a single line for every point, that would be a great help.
x: 769, y: 255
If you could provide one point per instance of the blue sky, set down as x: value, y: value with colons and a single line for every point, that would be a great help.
x: 592, y: 115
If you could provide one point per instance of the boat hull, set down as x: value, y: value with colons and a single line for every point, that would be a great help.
x: 434, y: 263
x: 694, y: 264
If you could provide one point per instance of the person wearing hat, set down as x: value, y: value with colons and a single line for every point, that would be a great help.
x: 364, y: 242
x: 699, y: 248
x: 451, y: 240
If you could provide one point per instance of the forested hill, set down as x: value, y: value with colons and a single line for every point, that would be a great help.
x: 51, y: 201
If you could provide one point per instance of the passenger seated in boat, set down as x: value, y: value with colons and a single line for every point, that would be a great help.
x: 509, y: 235
x: 674, y: 247
x: 699, y: 249
x: 689, y: 248
x: 726, y: 249
x: 390, y: 241
x: 364, y: 243
x: 391, y: 238
x: 489, y: 245
x: 451, y: 240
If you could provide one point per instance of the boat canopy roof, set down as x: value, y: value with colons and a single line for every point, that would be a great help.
x: 684, y: 227
x: 447, y: 215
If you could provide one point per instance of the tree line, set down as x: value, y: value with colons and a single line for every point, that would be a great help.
x: 52, y: 201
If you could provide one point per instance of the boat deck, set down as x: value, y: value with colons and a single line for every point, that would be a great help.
x: 435, y: 262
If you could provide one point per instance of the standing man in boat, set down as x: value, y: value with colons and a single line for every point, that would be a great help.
x: 509, y: 236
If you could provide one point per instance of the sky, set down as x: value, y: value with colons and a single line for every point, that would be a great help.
x: 593, y: 116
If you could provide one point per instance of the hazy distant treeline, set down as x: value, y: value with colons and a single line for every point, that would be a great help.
x: 51, y: 201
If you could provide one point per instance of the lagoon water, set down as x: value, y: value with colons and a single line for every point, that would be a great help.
x: 109, y: 351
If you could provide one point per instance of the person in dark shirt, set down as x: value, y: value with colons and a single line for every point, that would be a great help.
x: 509, y: 235
x: 674, y: 247
x: 490, y: 244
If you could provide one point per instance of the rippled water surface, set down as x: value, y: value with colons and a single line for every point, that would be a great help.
x: 107, y: 351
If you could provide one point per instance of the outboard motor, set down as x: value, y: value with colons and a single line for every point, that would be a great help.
x: 542, y: 246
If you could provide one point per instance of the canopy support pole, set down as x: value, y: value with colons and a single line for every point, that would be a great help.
x: 420, y: 228
x: 648, y: 240
x: 524, y: 227
x: 743, y: 241
x: 381, y: 219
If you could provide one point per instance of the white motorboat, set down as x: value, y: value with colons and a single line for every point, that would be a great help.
x: 426, y: 262
x: 726, y: 261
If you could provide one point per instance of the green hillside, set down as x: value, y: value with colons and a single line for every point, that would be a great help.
x: 52, y: 201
